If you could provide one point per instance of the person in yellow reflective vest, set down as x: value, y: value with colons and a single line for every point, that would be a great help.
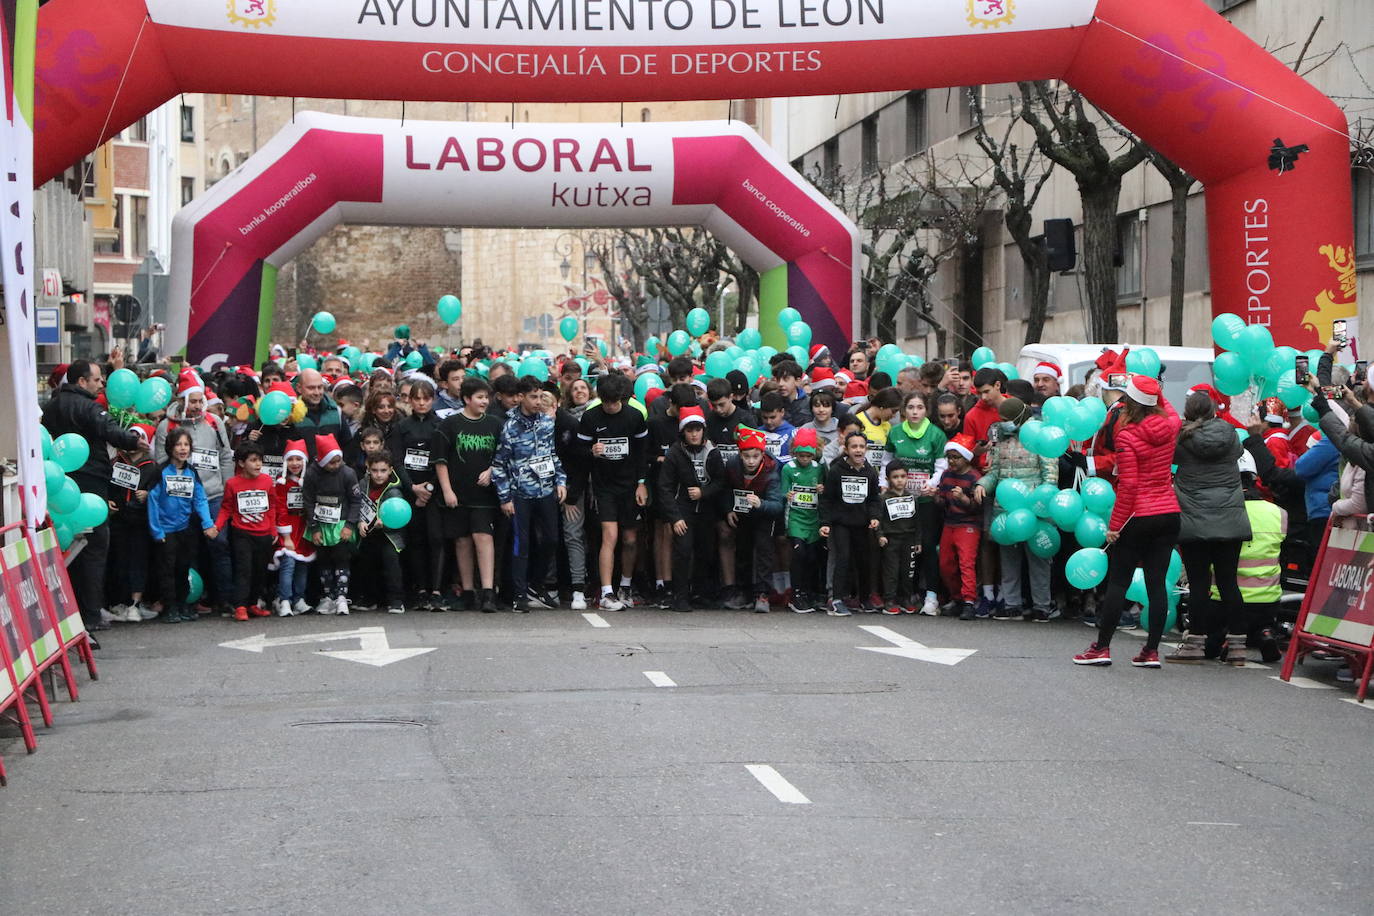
x: 1258, y: 578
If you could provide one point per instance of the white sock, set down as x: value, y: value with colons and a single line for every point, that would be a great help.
x: 624, y: 581
x: 605, y: 590
x: 989, y: 592
x: 930, y: 596
x: 658, y: 583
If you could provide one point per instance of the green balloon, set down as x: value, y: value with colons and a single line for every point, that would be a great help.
x: 121, y: 388
x: 323, y: 323
x: 1226, y: 330
x: 45, y: 438
x: 983, y: 356
x: 65, y: 534
x: 153, y: 395
x: 787, y: 317
x: 799, y: 334
x: 750, y: 339
x: 533, y: 365
x: 568, y: 327
x: 698, y: 322
x: 1052, y: 442
x: 1021, y: 525
x: 70, y: 451
x: 1231, y: 373
x: 450, y: 309
x: 798, y: 354
x: 1066, y: 509
x: 718, y: 363
x: 1030, y: 434
x: 1058, y: 411
x: 53, y: 475
x: 651, y: 346
x: 1013, y: 495
x: 1136, y: 591
x: 65, y: 499
x: 414, y: 359
x: 1045, y: 542
x: 1099, y: 497
x: 734, y: 351
x: 891, y: 363
x: 749, y: 366
x: 274, y: 407
x: 1009, y: 370
x: 1310, y: 415
x: 646, y: 383
x: 1091, y: 531
x: 1255, y: 344
x: 997, y: 531
x: 195, y: 586
x: 92, y: 511
x: 1041, y: 498
x: 306, y: 361
x: 1290, y: 392
x: 679, y: 342
x: 1082, y: 424
x: 1086, y: 568
x: 394, y: 513
x: 1282, y: 360
x: 764, y: 354
x: 1143, y: 361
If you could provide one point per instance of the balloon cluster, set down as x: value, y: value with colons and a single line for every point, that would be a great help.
x: 72, y: 511
x: 1251, y: 359
x: 984, y: 357
x: 123, y: 390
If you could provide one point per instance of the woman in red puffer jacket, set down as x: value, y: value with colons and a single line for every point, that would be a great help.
x: 1145, y: 522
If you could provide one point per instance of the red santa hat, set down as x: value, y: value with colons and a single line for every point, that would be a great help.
x: 296, y: 447
x: 690, y: 415
x: 188, y: 383
x: 326, y: 449
x: 1048, y: 368
x: 822, y: 377
x: 653, y: 395
x: 248, y: 371
x: 856, y: 389
x: 1115, y: 368
x: 211, y: 398
x: 283, y: 388
x: 1143, y: 390
x: 1275, y: 411
x: 961, y: 445
x: 1222, y: 401
x: 144, y: 431
x: 750, y: 438
x: 819, y: 352
x: 843, y: 377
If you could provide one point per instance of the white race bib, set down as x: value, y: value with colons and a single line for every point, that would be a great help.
x: 854, y: 490
x: 803, y: 497
x: 773, y: 446
x: 274, y: 466
x: 124, y: 475
x: 180, y: 487
x: 328, y: 515
x: 727, y: 450
x: 916, y: 482
x: 901, y: 507
x: 295, y: 499
x: 368, y: 511
x: 417, y: 459
x: 205, y: 459
x: 615, y: 449
x: 742, y: 501
x: 252, y: 502
x: 876, y: 453
x: 542, y: 467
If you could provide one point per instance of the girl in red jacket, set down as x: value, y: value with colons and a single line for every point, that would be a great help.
x: 1145, y: 522
x: 294, y: 550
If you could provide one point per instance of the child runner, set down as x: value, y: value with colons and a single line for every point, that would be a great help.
x: 753, y: 500
x: 379, y: 547
x: 849, y: 515
x: 899, y: 536
x: 177, y: 508
x: 688, y: 493
x: 464, y: 451
x: 918, y: 445
x: 411, y: 444
x: 132, y: 478
x: 801, y: 485
x: 963, y: 528
x: 295, y: 553
x: 330, y: 505
x: 618, y: 440
x: 249, y: 507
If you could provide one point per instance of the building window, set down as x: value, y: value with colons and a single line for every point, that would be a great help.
x: 830, y: 157
x: 138, y: 131
x: 110, y: 243
x: 188, y: 190
x: 1364, y: 212
x: 1128, y: 256
x: 139, y: 236
x: 188, y: 124
x: 915, y: 123
x: 88, y: 187
x: 645, y: 115
x: 869, y: 142
x: 224, y: 103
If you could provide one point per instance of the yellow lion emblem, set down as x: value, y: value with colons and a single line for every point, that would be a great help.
x: 252, y: 13
x: 991, y: 14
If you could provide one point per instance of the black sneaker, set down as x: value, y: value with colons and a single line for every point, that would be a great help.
x: 520, y: 606
x: 488, y: 603
x: 452, y: 602
x: 682, y: 604
x: 966, y: 611
x: 467, y: 601
x: 1002, y: 612
x: 663, y: 597
x: 535, y: 601
x: 1269, y: 646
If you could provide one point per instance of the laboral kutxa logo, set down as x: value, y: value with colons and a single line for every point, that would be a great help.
x: 252, y: 13
x: 991, y: 14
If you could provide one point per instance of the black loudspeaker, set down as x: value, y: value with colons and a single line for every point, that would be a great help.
x: 1060, y: 245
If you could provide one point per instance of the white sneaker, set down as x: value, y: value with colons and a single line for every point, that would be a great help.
x: 579, y: 601
x: 931, y: 608
x: 341, y: 606
x: 126, y: 613
x: 609, y: 602
x: 325, y: 607
x: 300, y: 607
x: 144, y: 612
x: 283, y: 607
x: 107, y: 617
x: 396, y: 609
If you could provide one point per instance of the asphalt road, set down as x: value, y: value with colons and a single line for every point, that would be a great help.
x: 529, y: 765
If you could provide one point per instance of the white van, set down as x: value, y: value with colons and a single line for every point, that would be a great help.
x: 1184, y: 367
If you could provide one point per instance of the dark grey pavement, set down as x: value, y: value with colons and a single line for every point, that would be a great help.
x: 528, y: 765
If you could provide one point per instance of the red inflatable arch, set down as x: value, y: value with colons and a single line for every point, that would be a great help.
x: 1280, y: 226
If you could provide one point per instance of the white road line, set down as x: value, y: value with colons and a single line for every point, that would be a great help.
x: 1304, y: 682
x: 597, y: 620
x: 1211, y: 824
x: 1365, y: 705
x: 659, y: 679
x: 772, y: 781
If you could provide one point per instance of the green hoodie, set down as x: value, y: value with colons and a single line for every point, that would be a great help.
x: 919, y: 448
x: 801, y: 489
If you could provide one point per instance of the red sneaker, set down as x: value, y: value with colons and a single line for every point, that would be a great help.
x: 1148, y: 658
x: 256, y: 611
x: 892, y: 611
x: 911, y: 610
x: 1095, y: 655
x: 240, y: 613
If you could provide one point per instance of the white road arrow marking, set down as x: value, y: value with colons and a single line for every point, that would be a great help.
x: 374, y: 649
x: 906, y: 647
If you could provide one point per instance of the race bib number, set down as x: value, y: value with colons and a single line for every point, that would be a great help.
x: 876, y: 453
x: 853, y: 490
x: 742, y: 502
x: 916, y: 482
x: 180, y: 487
x: 804, y: 497
x: 773, y: 447
x: 542, y: 467
x: 124, y: 475
x: 328, y: 514
x: 901, y: 507
x: 726, y: 451
x: 205, y: 459
x: 368, y: 511
x: 417, y: 459
x: 615, y: 449
x: 252, y: 502
x: 295, y: 499
x: 274, y: 466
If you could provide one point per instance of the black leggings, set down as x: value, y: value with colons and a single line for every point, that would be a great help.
x: 1208, y: 562
x: 1145, y: 543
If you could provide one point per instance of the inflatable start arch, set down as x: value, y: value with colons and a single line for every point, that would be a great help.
x: 1272, y: 153
x: 326, y: 169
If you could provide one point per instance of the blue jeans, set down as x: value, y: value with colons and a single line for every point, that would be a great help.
x: 221, y: 559
x: 535, y: 520
x: 291, y: 576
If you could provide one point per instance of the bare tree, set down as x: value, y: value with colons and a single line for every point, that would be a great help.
x: 913, y: 216
x: 1020, y: 173
x: 1070, y: 137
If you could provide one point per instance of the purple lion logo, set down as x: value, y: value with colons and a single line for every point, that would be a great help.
x: 1174, y: 75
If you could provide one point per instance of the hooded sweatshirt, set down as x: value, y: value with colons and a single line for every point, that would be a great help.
x: 920, y: 448
x: 211, y: 455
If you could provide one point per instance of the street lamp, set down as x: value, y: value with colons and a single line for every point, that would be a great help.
x: 564, y: 246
